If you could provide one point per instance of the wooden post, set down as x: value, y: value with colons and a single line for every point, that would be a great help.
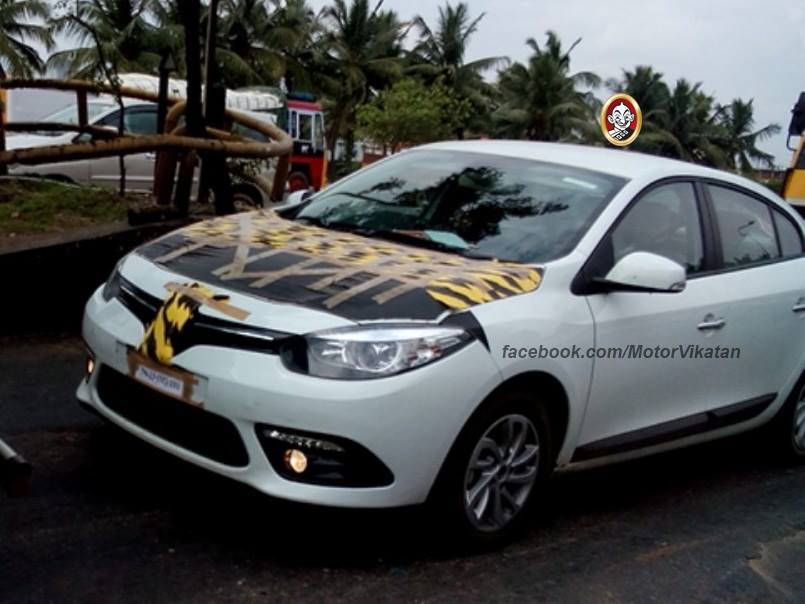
x: 166, y: 66
x: 280, y: 176
x: 214, y: 171
x: 165, y: 164
x: 81, y: 101
x: 184, y: 182
x: 164, y: 175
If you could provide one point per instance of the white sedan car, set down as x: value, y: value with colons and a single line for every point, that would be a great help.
x: 456, y: 322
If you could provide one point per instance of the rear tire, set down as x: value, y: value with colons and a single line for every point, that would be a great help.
x: 788, y: 428
x: 246, y: 197
x: 495, y: 471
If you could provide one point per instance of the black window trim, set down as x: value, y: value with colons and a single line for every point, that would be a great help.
x: 770, y: 205
x: 583, y: 285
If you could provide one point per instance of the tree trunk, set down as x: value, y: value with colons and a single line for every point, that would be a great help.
x: 190, y: 11
x: 121, y: 130
x: 207, y: 167
x: 3, y: 120
x: 191, y: 15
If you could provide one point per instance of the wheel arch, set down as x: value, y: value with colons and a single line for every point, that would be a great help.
x: 542, y: 388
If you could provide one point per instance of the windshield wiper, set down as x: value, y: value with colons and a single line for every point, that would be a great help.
x: 416, y: 240
x: 336, y: 225
x: 396, y: 236
x: 358, y: 196
x: 476, y: 256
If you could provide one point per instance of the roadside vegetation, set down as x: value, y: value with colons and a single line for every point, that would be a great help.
x: 363, y: 59
x: 29, y: 206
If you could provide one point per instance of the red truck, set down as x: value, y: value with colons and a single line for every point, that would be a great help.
x: 306, y: 127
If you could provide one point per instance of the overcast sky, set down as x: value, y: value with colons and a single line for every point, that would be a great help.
x: 735, y: 48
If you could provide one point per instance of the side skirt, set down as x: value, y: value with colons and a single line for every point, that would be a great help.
x: 675, y: 429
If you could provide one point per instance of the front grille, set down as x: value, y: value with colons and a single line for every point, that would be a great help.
x: 204, y: 329
x: 191, y: 428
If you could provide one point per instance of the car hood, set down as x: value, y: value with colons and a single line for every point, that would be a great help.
x: 357, y: 278
x: 22, y: 141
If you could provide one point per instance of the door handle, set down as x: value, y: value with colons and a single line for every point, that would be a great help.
x: 711, y: 322
x: 799, y: 306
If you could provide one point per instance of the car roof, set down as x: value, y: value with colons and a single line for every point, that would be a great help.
x: 618, y: 162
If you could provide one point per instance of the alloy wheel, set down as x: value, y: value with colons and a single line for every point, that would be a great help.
x: 501, y: 472
x: 798, y: 425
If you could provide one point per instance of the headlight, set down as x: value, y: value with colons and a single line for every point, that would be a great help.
x: 367, y: 352
x: 112, y: 286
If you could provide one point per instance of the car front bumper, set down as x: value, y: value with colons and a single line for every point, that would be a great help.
x: 408, y: 421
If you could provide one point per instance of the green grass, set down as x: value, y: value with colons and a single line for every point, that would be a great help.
x: 40, y: 206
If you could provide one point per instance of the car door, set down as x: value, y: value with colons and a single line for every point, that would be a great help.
x: 762, y: 275
x: 651, y: 382
x: 105, y: 171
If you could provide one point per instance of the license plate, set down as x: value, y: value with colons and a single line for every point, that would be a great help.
x: 171, y: 381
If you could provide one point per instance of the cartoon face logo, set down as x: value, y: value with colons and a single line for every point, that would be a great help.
x: 621, y: 120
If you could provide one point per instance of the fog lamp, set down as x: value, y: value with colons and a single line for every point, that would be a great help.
x: 295, y: 460
x: 90, y: 367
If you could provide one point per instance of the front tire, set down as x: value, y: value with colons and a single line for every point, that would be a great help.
x: 495, y: 471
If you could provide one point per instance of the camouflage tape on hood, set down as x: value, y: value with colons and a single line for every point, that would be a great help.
x: 356, y: 277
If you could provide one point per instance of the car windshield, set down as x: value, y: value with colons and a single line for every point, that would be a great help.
x: 473, y: 204
x: 69, y: 115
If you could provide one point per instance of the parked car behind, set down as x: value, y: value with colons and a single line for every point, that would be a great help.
x: 140, y: 117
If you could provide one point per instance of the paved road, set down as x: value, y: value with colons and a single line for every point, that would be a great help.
x: 112, y: 520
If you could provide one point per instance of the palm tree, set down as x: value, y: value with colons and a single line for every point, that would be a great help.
x: 242, y: 52
x: 741, y: 139
x: 108, y: 32
x: 683, y: 122
x: 653, y: 95
x: 439, y: 55
x: 363, y: 54
x: 541, y: 100
x: 17, y: 57
x: 167, y: 18
x: 648, y: 88
x: 692, y: 128
x: 295, y: 33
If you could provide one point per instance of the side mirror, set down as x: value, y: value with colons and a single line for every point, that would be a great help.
x: 645, y: 272
x: 101, y: 133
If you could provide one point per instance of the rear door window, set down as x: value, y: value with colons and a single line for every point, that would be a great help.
x: 745, y: 227
x: 789, y: 235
